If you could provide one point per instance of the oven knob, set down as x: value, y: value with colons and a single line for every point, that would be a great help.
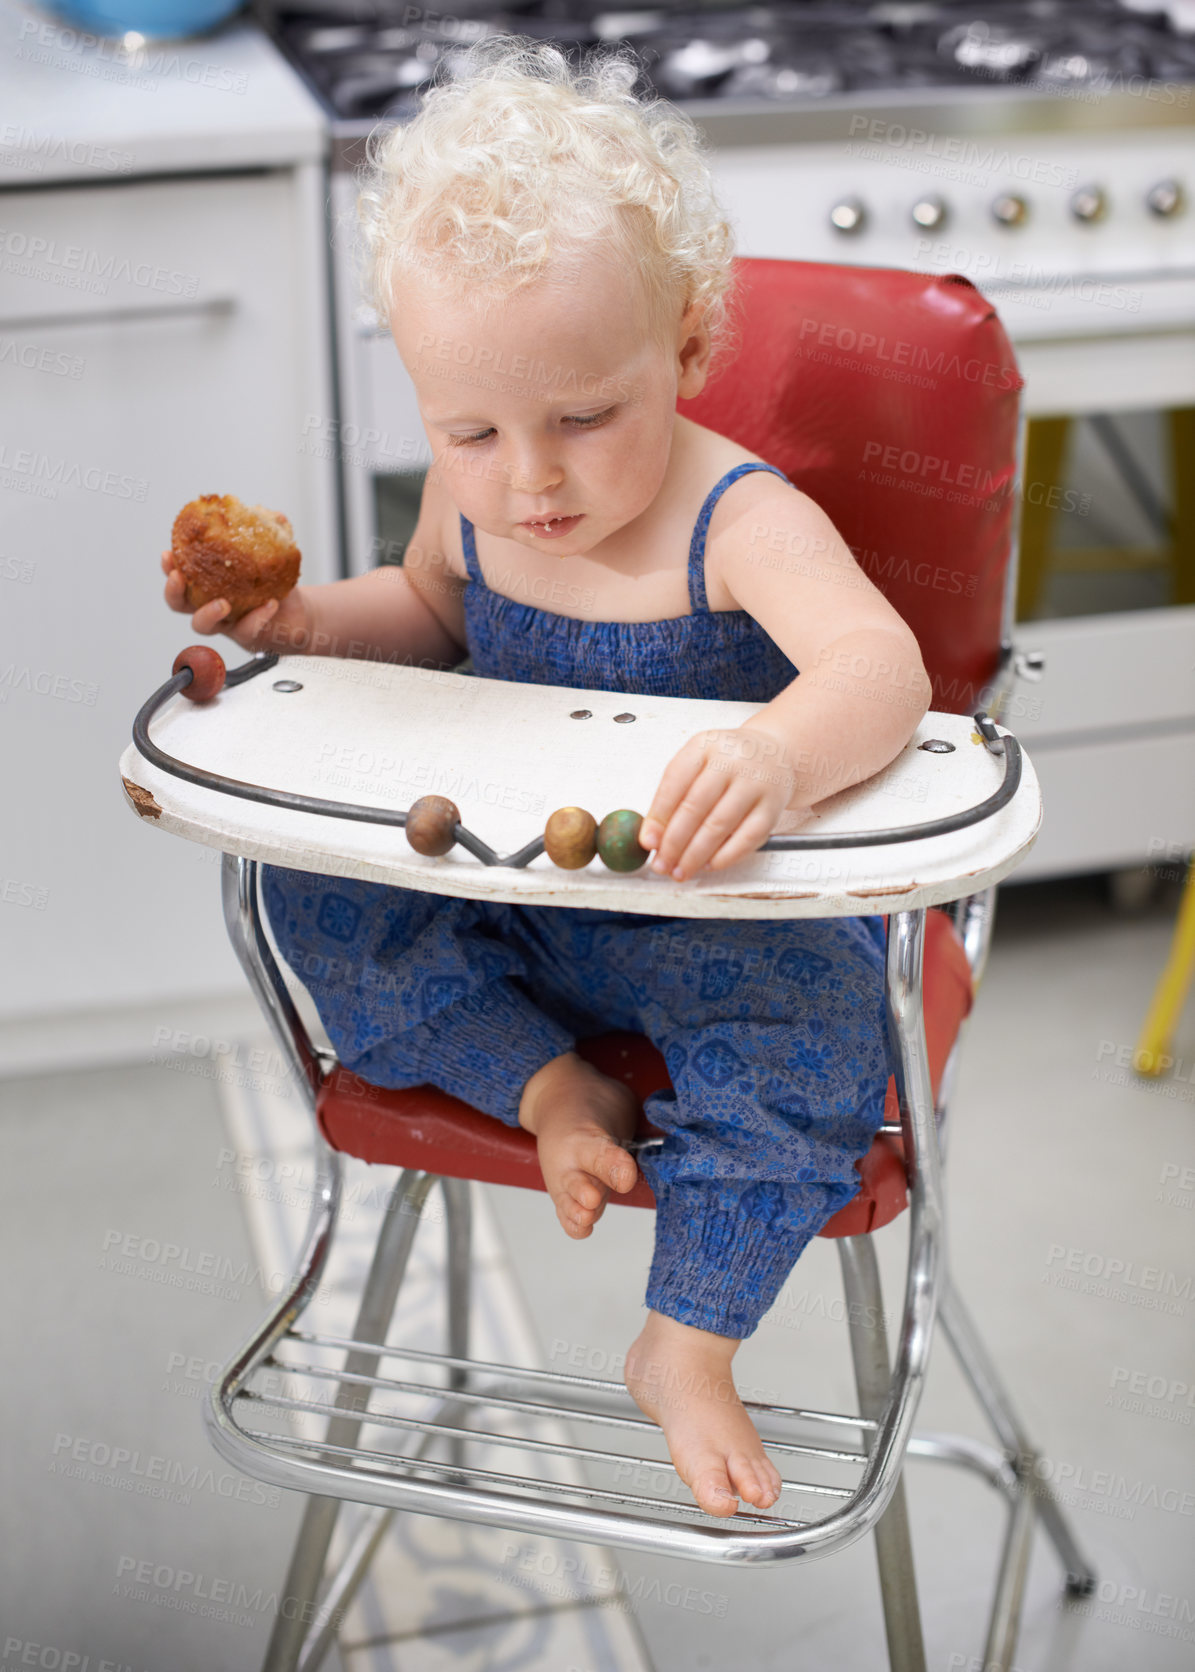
x: 848, y: 215
x: 930, y: 213
x: 1010, y: 210
x: 1166, y: 198
x: 1089, y: 204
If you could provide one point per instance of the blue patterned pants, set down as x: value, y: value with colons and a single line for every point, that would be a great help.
x: 773, y: 1034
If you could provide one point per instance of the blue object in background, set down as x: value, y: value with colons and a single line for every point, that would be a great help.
x: 155, y: 19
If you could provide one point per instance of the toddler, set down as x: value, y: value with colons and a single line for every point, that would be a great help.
x: 556, y: 271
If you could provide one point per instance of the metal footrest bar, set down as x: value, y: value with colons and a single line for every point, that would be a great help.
x: 515, y: 1442
x: 502, y: 1402
x: 561, y: 1379
x: 487, y: 1407
x: 990, y: 1463
x: 392, y: 1480
x: 596, y: 1494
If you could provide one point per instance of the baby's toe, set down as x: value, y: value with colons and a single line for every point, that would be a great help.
x: 751, y: 1481
x: 711, y: 1488
x: 585, y: 1191
x: 620, y: 1171
x: 611, y: 1163
x: 576, y: 1220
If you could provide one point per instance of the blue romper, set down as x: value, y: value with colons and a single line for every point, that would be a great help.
x: 773, y: 1031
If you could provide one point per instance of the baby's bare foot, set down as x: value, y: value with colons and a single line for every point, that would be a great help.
x: 680, y: 1377
x: 581, y: 1121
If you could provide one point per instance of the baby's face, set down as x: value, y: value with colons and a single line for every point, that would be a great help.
x: 552, y: 403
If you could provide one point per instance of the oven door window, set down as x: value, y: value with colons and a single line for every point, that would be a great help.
x: 1108, y: 514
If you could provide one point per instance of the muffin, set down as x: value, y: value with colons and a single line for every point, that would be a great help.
x: 224, y: 549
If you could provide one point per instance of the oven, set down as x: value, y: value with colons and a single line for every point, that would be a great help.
x: 1044, y: 151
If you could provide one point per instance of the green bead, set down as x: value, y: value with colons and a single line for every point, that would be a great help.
x: 618, y: 841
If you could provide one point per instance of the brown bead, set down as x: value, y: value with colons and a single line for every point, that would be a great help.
x: 570, y: 838
x: 429, y: 825
x: 207, y: 671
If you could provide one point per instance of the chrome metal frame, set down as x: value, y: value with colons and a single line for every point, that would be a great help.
x: 871, y: 1455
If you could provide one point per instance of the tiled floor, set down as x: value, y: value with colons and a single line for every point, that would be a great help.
x: 148, y: 1210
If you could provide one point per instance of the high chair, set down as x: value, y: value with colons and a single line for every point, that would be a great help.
x: 891, y: 398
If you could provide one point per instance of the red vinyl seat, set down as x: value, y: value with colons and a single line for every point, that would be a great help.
x: 426, y: 1129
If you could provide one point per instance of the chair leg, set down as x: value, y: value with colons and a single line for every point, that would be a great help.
x: 873, y: 1375
x: 458, y: 1210
x: 992, y: 1396
x: 373, y: 1320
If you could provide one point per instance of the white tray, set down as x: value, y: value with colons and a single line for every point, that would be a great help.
x: 508, y: 755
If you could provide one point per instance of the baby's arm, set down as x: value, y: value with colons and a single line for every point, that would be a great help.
x: 861, y: 692
x: 408, y: 614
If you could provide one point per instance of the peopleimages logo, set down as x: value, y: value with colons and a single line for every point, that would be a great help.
x: 1114, y: 1278
x: 109, y: 59
x: 78, y: 267
x: 906, y: 461
x: 37, y: 473
x: 35, y: 149
x: 916, y: 357
x: 963, y: 153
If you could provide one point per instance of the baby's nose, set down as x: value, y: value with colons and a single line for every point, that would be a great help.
x: 533, y: 475
x: 535, y: 483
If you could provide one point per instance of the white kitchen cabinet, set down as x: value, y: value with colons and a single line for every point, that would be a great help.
x: 159, y: 339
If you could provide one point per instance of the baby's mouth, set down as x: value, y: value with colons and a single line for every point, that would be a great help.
x: 551, y: 527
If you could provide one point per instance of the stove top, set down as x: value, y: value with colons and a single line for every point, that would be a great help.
x: 369, y: 59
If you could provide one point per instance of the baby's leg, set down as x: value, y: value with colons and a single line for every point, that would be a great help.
x: 416, y: 989
x: 775, y: 1044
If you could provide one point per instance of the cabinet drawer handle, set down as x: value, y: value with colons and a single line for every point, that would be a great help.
x: 219, y: 305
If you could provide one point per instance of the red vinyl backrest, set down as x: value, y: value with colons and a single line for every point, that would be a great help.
x: 891, y: 399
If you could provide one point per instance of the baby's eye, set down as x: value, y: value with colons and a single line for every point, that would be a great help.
x: 593, y: 418
x: 464, y: 440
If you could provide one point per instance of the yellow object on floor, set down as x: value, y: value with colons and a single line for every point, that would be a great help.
x: 1151, y: 1058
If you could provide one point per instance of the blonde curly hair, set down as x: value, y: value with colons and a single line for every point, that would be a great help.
x: 517, y: 160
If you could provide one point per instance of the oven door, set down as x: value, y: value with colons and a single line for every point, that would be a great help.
x: 1106, y: 581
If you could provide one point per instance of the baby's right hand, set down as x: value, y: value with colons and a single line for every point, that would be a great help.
x: 277, y: 625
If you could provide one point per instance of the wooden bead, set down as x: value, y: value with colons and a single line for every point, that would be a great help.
x: 570, y: 838
x: 618, y: 841
x: 429, y: 825
x: 207, y: 671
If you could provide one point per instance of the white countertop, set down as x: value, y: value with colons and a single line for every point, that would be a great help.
x: 73, y: 108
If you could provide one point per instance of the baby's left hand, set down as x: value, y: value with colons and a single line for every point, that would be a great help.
x: 718, y: 800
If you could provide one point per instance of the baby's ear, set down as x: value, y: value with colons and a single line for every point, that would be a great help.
x: 693, y: 352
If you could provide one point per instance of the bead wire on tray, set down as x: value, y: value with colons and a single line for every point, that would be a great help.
x: 199, y: 673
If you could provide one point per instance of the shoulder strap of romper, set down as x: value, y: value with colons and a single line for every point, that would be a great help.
x: 697, y: 594
x: 469, y: 547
